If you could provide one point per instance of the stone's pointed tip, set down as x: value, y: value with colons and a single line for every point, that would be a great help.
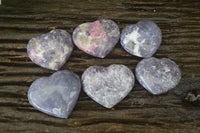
x: 103, y: 56
x: 63, y: 117
x: 108, y: 106
x: 55, y: 95
x: 154, y: 93
x: 54, y: 69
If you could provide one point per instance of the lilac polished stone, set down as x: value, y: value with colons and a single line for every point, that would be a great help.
x: 97, y: 38
x: 141, y: 39
x: 55, y: 95
x: 108, y: 86
x: 158, y: 75
x: 50, y: 50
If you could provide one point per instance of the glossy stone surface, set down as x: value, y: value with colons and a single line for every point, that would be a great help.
x: 158, y: 75
x: 50, y: 50
x: 55, y: 95
x: 97, y: 38
x: 141, y: 39
x: 108, y: 86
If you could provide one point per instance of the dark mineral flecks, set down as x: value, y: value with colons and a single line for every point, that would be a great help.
x: 50, y: 50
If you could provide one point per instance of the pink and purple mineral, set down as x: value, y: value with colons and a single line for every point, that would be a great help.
x: 97, y: 38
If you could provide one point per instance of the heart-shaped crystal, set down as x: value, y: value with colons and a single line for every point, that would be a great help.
x: 141, y: 39
x: 55, y: 95
x: 50, y: 50
x: 97, y: 38
x: 158, y: 75
x: 108, y: 86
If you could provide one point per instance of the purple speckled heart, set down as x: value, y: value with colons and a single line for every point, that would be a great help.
x: 97, y: 38
x: 158, y: 75
x: 50, y: 50
x: 108, y: 86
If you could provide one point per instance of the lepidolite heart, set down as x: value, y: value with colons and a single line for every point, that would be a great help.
x: 97, y: 38
x: 141, y: 39
x: 158, y: 75
x: 50, y: 50
x: 55, y: 95
x: 108, y: 86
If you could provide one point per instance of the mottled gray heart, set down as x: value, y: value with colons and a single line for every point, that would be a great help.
x: 108, y: 86
x: 158, y: 75
x: 55, y: 95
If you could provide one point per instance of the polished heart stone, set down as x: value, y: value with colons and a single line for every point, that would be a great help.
x: 158, y: 75
x: 141, y: 39
x: 50, y: 50
x: 55, y: 95
x: 97, y: 38
x: 108, y: 86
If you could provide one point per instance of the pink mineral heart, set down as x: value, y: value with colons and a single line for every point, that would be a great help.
x: 108, y: 86
x: 158, y: 75
x: 97, y: 38
x: 50, y: 50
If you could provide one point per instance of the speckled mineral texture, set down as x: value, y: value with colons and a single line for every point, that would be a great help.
x: 50, y: 50
x: 141, y: 39
x: 158, y: 75
x: 108, y: 86
x: 55, y: 95
x: 97, y: 38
